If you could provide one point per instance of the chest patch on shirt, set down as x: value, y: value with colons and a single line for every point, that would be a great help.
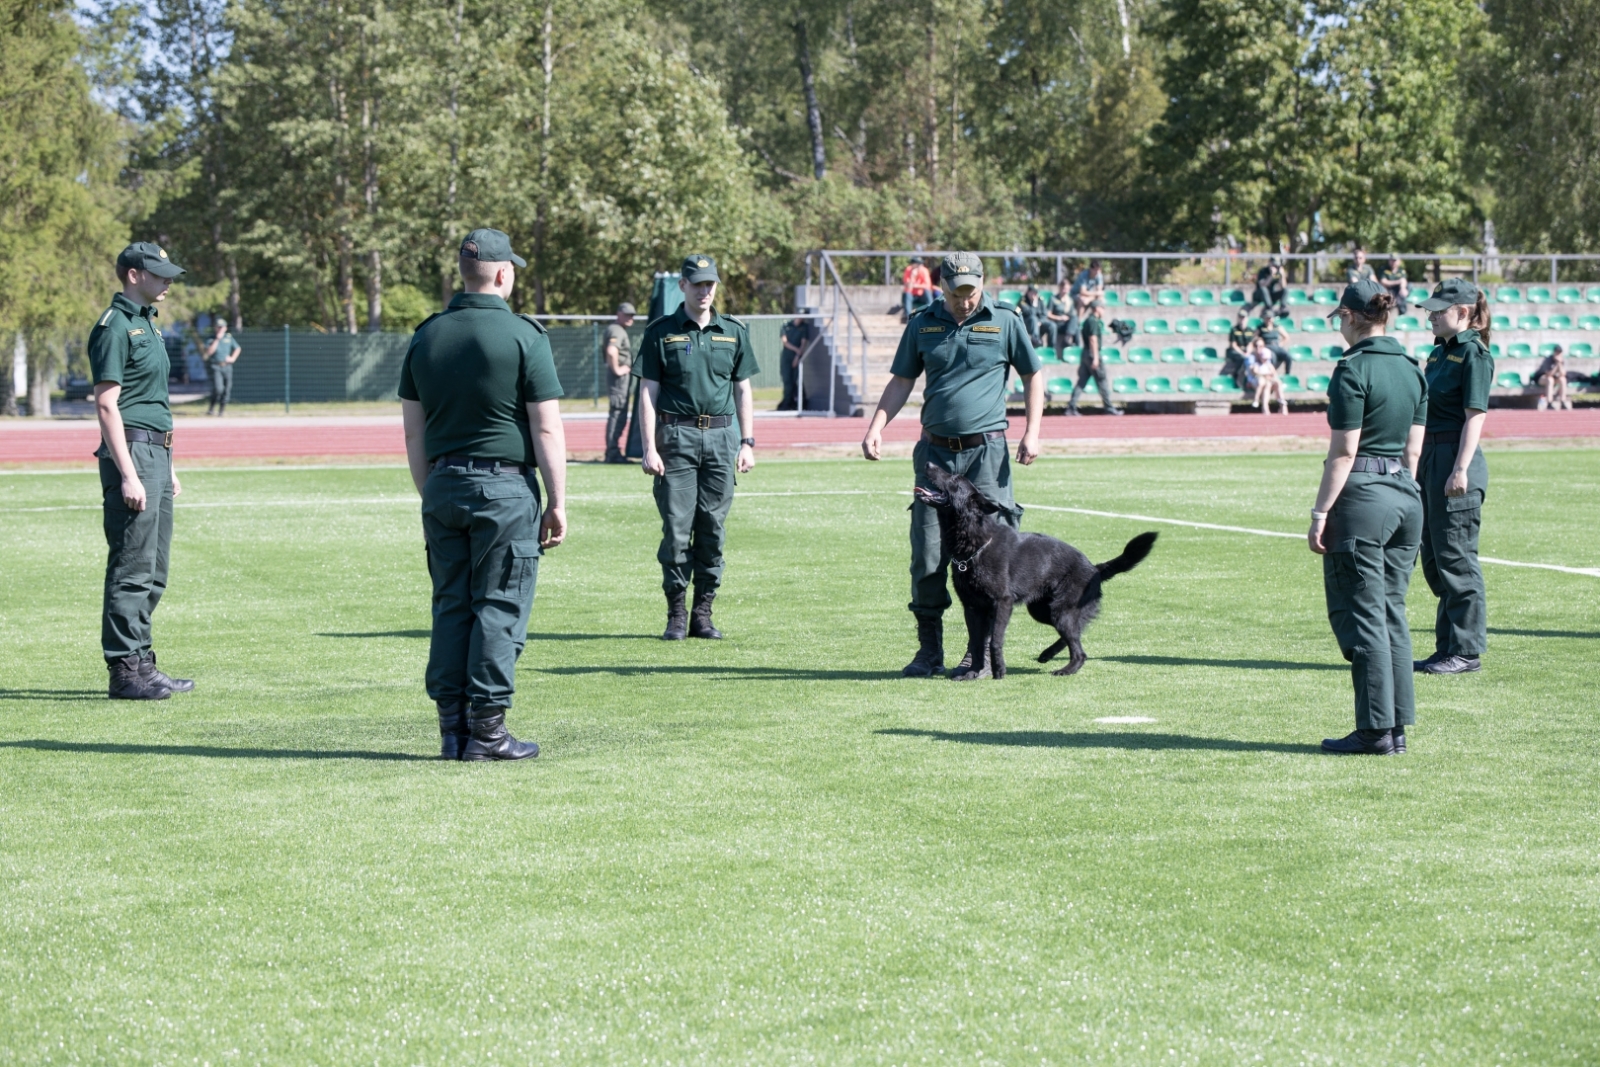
x: 986, y: 329
x: 135, y: 333
x: 931, y: 329
x: 725, y: 340
x: 1456, y: 359
x: 675, y: 338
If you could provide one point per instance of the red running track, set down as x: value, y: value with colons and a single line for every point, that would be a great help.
x: 73, y: 440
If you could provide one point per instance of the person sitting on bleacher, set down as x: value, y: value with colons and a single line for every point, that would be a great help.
x: 1060, y: 325
x: 1270, y: 292
x: 1273, y: 339
x: 1552, y: 373
x: 1239, y: 339
x: 1263, y: 376
x: 916, y: 291
x: 1032, y: 310
x: 1393, y: 279
x: 1090, y: 285
x: 1359, y: 270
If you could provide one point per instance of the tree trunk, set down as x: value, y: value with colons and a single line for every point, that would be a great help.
x: 447, y: 265
x: 808, y: 84
x: 19, y: 357
x: 930, y: 120
x: 235, y: 311
x: 39, y: 366
x: 347, y: 283
x: 542, y: 208
x: 369, y: 195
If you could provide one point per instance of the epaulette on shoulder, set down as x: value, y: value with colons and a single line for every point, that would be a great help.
x: 736, y: 321
x: 110, y: 311
x: 425, y: 321
x: 531, y: 321
x: 652, y: 323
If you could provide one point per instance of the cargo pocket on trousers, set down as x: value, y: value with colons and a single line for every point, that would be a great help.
x: 1346, y: 575
x: 521, y: 560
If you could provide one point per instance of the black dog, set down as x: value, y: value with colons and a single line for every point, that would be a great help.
x: 995, y: 567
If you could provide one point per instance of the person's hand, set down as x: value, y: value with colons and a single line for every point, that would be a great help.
x: 1456, y: 484
x: 133, y: 493
x: 553, y: 527
x: 652, y: 462
x: 872, y: 444
x: 1028, y: 449
x: 177, y: 486
x: 747, y: 459
x: 1314, y: 535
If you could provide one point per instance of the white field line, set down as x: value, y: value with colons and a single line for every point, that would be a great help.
x: 345, y: 501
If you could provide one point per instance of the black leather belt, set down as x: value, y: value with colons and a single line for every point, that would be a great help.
x: 497, y: 465
x: 699, y: 422
x: 1378, y: 465
x: 1442, y: 437
x: 153, y: 437
x: 956, y: 444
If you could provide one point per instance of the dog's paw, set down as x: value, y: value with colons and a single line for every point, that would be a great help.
x: 1071, y: 668
x: 999, y: 672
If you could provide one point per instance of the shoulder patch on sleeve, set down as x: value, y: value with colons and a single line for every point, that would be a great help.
x: 531, y: 321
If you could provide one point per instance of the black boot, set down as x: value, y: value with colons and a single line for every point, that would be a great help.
x: 1397, y: 737
x: 453, y: 729
x: 1361, y: 743
x: 128, y: 681
x: 700, y: 618
x: 491, y: 740
x: 929, y: 659
x: 155, y: 676
x: 677, y: 618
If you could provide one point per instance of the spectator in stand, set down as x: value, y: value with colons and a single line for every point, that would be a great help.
x: 1552, y: 373
x: 1273, y: 339
x: 1360, y: 270
x: 1264, y: 378
x: 1393, y: 280
x: 1239, y: 339
x: 916, y: 291
x: 1269, y: 294
x: 1060, y: 321
x: 1032, y: 311
x: 1089, y: 287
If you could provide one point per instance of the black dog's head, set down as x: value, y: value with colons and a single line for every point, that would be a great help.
x: 953, y: 493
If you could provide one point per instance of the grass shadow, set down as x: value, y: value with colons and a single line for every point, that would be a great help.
x: 1578, y: 634
x: 1145, y: 742
x: 52, y: 694
x: 107, y: 748
x: 772, y: 674
x: 1241, y: 664
x: 386, y: 633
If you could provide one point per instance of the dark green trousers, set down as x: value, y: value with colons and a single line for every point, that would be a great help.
x: 1372, y: 536
x: 482, y: 533
x: 694, y: 496
x: 139, y: 548
x: 988, y: 467
x: 221, y: 375
x: 1450, y: 550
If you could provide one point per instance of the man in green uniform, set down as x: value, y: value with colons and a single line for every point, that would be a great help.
x: 481, y: 404
x: 221, y: 354
x: 129, y: 365
x: 618, y: 351
x: 1092, y: 364
x: 1239, y: 338
x: 1393, y: 279
x: 697, y: 421
x: 966, y: 347
x: 1367, y: 520
x: 1359, y: 270
x: 1455, y: 477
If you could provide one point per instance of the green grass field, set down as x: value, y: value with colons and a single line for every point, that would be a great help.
x: 774, y: 849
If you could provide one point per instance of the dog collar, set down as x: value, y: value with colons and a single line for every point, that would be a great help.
x: 963, y: 564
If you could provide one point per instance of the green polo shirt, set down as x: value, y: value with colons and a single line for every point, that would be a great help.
x: 968, y: 366
x: 1240, y: 337
x: 617, y: 334
x: 225, y: 348
x: 1094, y: 327
x: 1396, y: 275
x: 696, y: 365
x: 126, y: 348
x: 475, y: 367
x: 1355, y: 274
x: 1379, y: 390
x: 1460, y: 374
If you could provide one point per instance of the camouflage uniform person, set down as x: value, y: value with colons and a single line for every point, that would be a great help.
x: 966, y: 346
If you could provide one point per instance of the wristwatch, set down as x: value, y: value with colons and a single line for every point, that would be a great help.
x: 751, y: 441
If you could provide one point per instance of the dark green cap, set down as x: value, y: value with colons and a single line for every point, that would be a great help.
x: 490, y: 246
x: 1358, y: 296
x: 1451, y: 291
x: 961, y: 268
x: 142, y: 255
x: 700, y: 268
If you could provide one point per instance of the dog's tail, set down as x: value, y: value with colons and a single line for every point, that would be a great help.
x: 1133, y: 554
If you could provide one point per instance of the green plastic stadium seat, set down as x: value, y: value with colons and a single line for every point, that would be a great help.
x: 1581, y: 350
x: 1224, y: 385
x: 1218, y: 325
x: 1191, y: 385
x: 1506, y: 295
x: 1291, y: 383
x: 1112, y: 355
x: 1500, y: 322
x: 1045, y: 353
x: 1546, y: 348
x: 1010, y: 298
x: 1407, y: 322
x: 1569, y: 295
x: 1301, y: 352
x: 1174, y: 355
x: 1157, y: 326
x: 1329, y: 297
x: 1112, y: 298
x: 1424, y: 351
x: 1254, y: 322
x: 1139, y: 298
x: 1297, y: 297
x: 1059, y: 385
x: 1495, y: 351
x: 1529, y: 322
x: 1187, y: 326
x: 1318, y: 383
x: 1509, y: 380
x: 1125, y: 385
x: 1520, y: 350
x: 1538, y: 295
x: 1336, y: 352
x: 1234, y: 298
x: 1071, y: 353
x: 1202, y: 298
x: 1589, y: 322
x: 1170, y: 298
x: 1559, y: 322
x: 1141, y: 355
x: 1158, y: 385
x: 1314, y: 325
x: 1207, y: 355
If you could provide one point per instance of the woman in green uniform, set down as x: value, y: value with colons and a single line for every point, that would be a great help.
x: 1367, y: 521
x: 1454, y: 474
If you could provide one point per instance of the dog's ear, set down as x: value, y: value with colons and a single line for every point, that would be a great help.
x: 987, y: 506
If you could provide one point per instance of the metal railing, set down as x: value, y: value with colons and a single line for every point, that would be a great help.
x: 838, y: 313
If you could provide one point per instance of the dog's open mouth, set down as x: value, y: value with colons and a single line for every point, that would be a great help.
x: 931, y: 497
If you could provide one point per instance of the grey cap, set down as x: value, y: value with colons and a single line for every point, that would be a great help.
x: 1451, y: 291
x: 699, y: 268
x: 961, y: 268
x: 144, y: 255
x: 490, y: 246
x: 1358, y: 296
x: 625, y: 308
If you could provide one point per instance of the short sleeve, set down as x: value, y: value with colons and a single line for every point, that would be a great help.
x: 108, y: 354
x: 1020, y: 353
x: 1477, y: 376
x: 1421, y: 417
x: 648, y: 365
x: 907, y: 360
x: 1347, y: 399
x: 408, y: 381
x: 539, y: 379
x: 744, y: 359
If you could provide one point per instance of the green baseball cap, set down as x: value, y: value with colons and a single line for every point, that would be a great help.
x: 143, y: 255
x: 699, y: 268
x: 490, y: 246
x: 1358, y: 296
x: 961, y: 268
x: 1451, y: 291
